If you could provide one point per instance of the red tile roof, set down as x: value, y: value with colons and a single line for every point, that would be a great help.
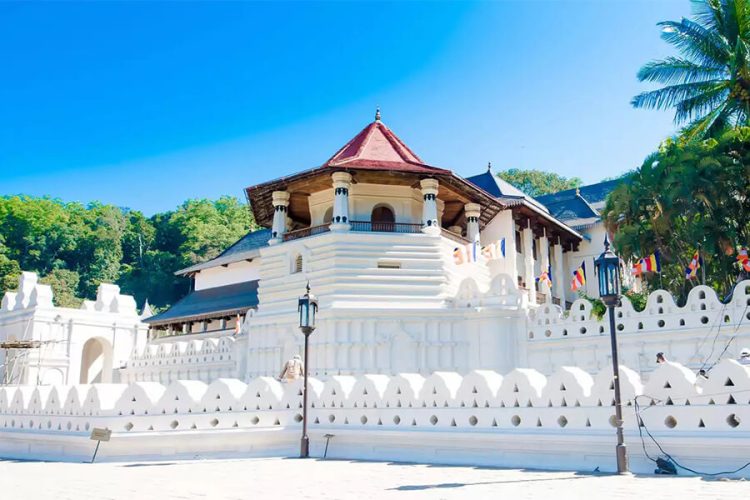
x: 376, y: 147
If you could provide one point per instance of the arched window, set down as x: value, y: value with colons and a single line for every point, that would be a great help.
x: 297, y: 264
x: 328, y: 217
x: 382, y: 219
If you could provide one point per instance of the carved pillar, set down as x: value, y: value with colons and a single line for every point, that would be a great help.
x: 528, y: 262
x: 429, y: 208
x: 280, y: 204
x: 472, y: 220
x: 561, y: 277
x: 342, y: 181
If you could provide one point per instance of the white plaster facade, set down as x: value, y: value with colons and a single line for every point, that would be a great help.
x: 409, y: 340
x: 520, y: 418
x: 83, y: 345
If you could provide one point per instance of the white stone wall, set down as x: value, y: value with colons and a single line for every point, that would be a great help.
x: 698, y: 334
x: 521, y: 418
x: 91, y: 342
x: 236, y: 272
x: 201, y: 360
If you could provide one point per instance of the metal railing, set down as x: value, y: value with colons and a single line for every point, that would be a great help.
x: 385, y: 227
x: 306, y: 231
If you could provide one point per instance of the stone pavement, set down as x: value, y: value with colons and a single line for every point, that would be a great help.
x: 280, y: 478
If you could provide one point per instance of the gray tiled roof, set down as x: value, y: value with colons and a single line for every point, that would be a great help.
x: 210, y: 303
x: 580, y: 208
x: 247, y: 247
x: 594, y: 194
x: 501, y: 189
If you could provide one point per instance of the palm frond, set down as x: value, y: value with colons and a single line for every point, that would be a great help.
x: 671, y: 95
x: 704, y: 46
x: 701, y: 104
x: 703, y: 127
x: 708, y: 13
x: 675, y: 69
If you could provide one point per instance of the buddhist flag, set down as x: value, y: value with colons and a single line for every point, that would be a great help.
x: 652, y: 263
x: 579, y: 277
x: 460, y: 256
x: 475, y: 249
x: 744, y: 259
x: 494, y: 250
x: 691, y: 272
x: 545, y: 277
x: 637, y: 269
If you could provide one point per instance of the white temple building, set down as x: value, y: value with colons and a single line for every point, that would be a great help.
x: 434, y: 343
x: 374, y: 231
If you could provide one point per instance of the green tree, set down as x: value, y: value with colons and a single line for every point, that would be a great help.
x: 64, y: 285
x: 687, y: 193
x: 208, y: 227
x: 708, y: 85
x: 536, y: 182
x: 77, y: 247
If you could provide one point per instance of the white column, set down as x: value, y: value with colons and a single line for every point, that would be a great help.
x: 544, y: 262
x: 280, y: 204
x: 561, y: 277
x: 528, y: 262
x: 342, y: 181
x: 472, y: 220
x: 429, y: 208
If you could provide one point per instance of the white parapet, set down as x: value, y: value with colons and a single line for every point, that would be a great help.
x: 522, y: 419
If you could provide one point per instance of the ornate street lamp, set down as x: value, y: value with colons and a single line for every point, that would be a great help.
x: 608, y: 271
x: 307, y: 308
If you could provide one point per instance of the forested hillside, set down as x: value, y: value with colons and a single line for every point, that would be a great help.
x: 75, y: 247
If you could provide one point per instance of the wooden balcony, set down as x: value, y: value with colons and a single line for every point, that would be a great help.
x: 306, y: 231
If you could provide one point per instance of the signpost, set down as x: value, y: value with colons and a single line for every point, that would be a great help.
x: 99, y: 435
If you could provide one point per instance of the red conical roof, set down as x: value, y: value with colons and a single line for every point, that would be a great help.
x: 376, y: 147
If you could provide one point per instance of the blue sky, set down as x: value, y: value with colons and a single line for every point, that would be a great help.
x: 147, y: 104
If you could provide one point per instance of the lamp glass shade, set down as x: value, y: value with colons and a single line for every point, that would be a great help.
x: 608, y: 272
x: 307, y: 308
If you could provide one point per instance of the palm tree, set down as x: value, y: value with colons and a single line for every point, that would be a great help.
x: 709, y: 85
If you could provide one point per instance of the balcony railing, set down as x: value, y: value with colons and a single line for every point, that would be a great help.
x: 306, y: 231
x: 371, y: 227
x: 385, y: 227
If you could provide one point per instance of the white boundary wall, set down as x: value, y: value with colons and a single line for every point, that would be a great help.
x: 522, y: 419
x: 695, y: 334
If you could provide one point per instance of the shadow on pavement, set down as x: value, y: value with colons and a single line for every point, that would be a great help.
x: 481, y: 483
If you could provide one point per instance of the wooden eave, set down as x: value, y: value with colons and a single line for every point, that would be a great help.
x: 454, y: 191
x: 542, y: 224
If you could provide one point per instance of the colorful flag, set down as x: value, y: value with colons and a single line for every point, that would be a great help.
x: 495, y: 250
x: 652, y: 263
x: 545, y: 277
x: 460, y: 256
x: 579, y: 277
x: 475, y: 248
x: 744, y: 259
x: 637, y: 269
x: 691, y: 272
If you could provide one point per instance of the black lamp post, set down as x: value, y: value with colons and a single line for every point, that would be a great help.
x: 308, y: 306
x: 608, y: 271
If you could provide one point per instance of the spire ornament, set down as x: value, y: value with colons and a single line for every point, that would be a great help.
x: 489, y: 166
x: 377, y: 114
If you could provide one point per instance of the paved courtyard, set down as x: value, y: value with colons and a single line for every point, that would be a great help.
x: 279, y: 478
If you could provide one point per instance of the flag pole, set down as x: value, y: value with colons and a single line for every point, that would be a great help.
x: 702, y: 264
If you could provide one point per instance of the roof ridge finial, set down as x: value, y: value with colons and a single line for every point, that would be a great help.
x: 377, y: 114
x: 578, y: 191
x: 489, y: 166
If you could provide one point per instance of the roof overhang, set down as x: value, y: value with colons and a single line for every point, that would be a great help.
x: 454, y: 191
